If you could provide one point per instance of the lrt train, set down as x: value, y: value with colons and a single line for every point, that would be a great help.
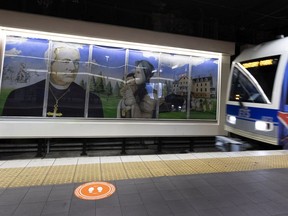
x: 257, y: 97
x: 186, y: 86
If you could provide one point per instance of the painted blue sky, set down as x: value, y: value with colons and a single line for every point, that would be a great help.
x: 21, y: 46
x: 109, y: 60
x: 29, y: 52
x: 136, y: 55
x: 206, y: 68
x: 32, y: 52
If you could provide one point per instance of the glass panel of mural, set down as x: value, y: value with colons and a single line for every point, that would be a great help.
x: 55, y: 79
x: 204, y: 77
x: 23, y: 77
x: 68, y: 65
x: 107, y: 77
x: 139, y: 92
x: 175, y: 86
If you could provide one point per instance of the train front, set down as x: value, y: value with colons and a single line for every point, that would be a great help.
x: 254, y: 97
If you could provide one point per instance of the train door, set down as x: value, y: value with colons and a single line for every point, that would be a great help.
x: 283, y: 112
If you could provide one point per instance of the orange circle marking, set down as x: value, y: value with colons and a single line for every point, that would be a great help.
x: 94, y: 190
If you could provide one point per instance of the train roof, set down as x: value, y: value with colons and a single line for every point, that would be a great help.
x: 275, y: 47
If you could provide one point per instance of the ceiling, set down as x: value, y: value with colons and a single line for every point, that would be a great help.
x: 243, y: 22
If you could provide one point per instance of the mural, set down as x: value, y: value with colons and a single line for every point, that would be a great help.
x: 203, y: 99
x: 108, y: 68
x: 45, y: 78
x: 24, y: 65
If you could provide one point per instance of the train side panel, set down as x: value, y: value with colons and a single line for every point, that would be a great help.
x: 246, y: 119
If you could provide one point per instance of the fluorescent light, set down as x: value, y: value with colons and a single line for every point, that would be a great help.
x: 106, y: 42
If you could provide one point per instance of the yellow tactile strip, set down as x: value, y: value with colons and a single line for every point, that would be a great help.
x: 47, y: 175
x: 87, y: 172
x: 137, y: 170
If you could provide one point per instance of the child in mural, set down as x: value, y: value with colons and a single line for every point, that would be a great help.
x: 65, y: 97
x: 138, y: 100
x: 126, y: 105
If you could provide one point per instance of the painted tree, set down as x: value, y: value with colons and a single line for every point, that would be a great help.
x: 121, y: 84
x: 108, y: 89
x: 82, y: 84
x: 100, y: 84
x: 92, y: 84
x: 116, y: 90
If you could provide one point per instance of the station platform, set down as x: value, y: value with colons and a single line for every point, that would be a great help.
x: 202, y: 184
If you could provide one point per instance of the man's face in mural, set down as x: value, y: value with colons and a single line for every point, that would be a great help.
x: 64, y: 67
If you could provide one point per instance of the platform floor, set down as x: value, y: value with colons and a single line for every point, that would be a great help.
x: 202, y: 184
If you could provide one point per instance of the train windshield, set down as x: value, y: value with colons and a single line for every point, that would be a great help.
x: 253, y: 80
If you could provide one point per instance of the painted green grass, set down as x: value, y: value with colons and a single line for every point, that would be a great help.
x: 183, y: 115
x: 202, y: 115
x: 4, y: 94
x: 109, y: 106
x: 110, y: 111
x: 173, y: 115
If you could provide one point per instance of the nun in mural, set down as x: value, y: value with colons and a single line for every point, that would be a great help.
x: 139, y: 101
x: 65, y: 97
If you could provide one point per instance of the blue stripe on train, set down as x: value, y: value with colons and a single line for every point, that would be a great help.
x: 252, y: 113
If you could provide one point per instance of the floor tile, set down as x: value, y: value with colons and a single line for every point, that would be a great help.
x: 29, y: 209
x: 89, y: 160
x: 15, y: 164
x: 135, y: 210
x: 111, y: 159
x: 250, y: 192
x: 109, y: 211
x: 56, y: 207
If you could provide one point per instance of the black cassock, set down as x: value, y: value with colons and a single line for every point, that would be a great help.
x: 29, y: 101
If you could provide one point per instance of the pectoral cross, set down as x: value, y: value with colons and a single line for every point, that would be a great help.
x: 54, y: 113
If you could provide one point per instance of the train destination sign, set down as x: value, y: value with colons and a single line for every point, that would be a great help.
x: 260, y: 63
x: 94, y: 190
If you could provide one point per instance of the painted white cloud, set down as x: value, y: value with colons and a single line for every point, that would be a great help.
x: 150, y: 55
x: 16, y: 40
x: 197, y: 61
x: 68, y: 45
x: 174, y: 60
x: 13, y: 52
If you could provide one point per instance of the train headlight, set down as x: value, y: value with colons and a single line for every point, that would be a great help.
x: 231, y: 119
x: 263, y: 126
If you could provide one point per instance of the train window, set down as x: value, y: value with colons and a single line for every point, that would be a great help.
x: 243, y: 90
x: 253, y: 80
x: 264, y: 71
